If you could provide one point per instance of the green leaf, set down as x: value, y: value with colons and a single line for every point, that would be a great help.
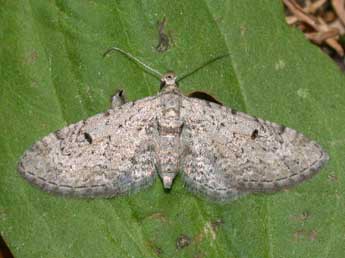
x: 53, y: 74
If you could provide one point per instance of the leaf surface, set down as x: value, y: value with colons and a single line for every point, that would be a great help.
x: 53, y: 74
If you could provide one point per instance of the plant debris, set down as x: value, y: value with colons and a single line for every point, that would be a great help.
x: 321, y: 21
x: 163, y: 38
x: 183, y: 241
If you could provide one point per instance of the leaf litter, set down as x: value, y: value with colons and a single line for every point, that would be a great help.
x: 322, y: 22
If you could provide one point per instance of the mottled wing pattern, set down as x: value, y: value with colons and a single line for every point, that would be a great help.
x: 228, y: 153
x: 105, y: 155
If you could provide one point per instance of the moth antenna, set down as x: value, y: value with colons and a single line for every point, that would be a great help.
x: 202, y: 66
x: 152, y: 71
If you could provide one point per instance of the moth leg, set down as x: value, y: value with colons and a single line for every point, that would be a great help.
x: 118, y: 99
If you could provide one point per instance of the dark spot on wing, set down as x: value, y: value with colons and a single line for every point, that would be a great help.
x: 88, y: 138
x: 282, y: 129
x: 254, y: 134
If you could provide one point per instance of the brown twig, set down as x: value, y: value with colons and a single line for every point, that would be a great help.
x: 322, y: 32
x: 339, y: 8
x: 312, y: 7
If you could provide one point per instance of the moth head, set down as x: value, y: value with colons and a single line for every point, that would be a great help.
x: 168, y: 79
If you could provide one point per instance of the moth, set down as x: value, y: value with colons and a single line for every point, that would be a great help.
x: 220, y: 153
